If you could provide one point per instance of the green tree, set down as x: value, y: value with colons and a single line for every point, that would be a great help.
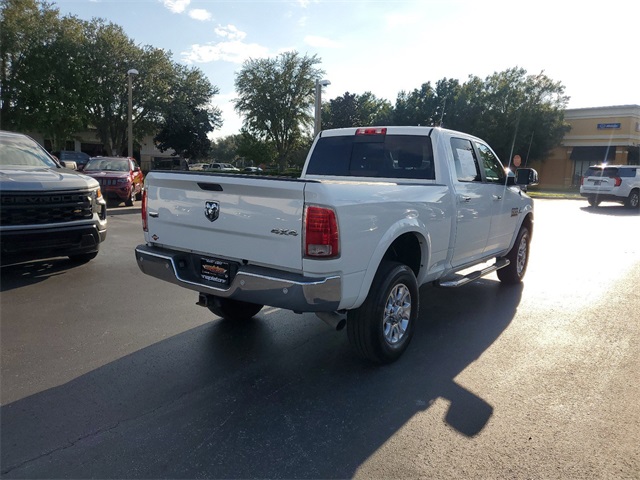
x: 515, y: 112
x: 352, y: 110
x: 225, y: 149
x: 189, y: 117
x: 276, y: 97
x: 418, y: 107
x: 40, y: 87
x: 256, y: 150
x: 109, y: 54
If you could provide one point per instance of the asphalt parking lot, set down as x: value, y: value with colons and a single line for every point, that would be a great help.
x: 107, y: 373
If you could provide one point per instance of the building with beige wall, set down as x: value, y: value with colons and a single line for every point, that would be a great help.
x: 597, y: 135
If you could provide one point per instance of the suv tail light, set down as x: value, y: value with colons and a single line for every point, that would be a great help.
x: 618, y: 181
x: 321, y: 238
x: 145, y: 225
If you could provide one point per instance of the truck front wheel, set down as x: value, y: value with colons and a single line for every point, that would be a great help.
x: 381, y: 328
x: 233, y: 309
x: 518, y: 257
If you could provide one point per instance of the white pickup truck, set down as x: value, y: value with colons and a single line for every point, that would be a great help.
x: 376, y: 213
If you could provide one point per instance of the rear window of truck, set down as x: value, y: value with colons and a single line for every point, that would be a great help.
x: 376, y: 156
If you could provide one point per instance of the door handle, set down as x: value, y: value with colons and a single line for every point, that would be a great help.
x: 497, y: 197
x: 464, y: 198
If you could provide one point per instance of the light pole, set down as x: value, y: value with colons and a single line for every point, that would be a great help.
x: 130, y: 74
x: 319, y: 85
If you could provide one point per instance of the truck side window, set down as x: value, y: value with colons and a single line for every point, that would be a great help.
x: 465, y: 161
x: 493, y: 168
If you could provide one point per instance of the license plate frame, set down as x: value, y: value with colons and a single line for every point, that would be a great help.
x: 597, y: 182
x: 216, y: 270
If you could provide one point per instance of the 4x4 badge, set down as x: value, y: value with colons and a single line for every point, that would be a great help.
x: 212, y: 210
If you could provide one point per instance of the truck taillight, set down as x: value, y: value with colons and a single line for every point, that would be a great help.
x: 321, y: 238
x: 371, y: 131
x: 618, y: 181
x: 145, y: 225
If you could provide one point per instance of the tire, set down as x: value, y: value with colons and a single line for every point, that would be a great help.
x: 234, y: 310
x: 633, y: 200
x: 83, y: 258
x: 593, y: 200
x: 132, y: 198
x: 518, y: 257
x: 382, y: 327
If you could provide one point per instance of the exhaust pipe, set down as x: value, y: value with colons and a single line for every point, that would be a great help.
x: 333, y: 319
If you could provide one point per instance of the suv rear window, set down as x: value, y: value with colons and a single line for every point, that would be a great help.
x: 610, y: 172
x: 376, y: 156
x: 601, y: 172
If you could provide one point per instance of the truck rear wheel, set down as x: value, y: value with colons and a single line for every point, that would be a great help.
x: 382, y: 327
x: 234, y: 309
x: 518, y: 257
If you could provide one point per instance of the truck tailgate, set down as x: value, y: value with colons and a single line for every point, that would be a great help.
x: 259, y: 220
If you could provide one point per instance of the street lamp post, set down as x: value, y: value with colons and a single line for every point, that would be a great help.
x: 130, y: 74
x: 319, y: 85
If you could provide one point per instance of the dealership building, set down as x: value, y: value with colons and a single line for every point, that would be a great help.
x: 597, y: 135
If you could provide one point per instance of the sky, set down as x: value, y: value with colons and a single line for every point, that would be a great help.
x: 385, y: 47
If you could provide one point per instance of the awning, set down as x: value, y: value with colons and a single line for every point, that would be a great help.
x: 594, y: 154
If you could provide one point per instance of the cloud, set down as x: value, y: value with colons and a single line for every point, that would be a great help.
x: 321, y: 42
x: 230, y: 32
x: 200, y: 14
x: 176, y: 6
x: 395, y: 20
x: 233, y: 51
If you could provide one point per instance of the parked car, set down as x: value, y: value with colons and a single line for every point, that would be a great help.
x: 65, y: 156
x: 120, y: 177
x: 252, y: 170
x: 222, y: 167
x: 197, y: 166
x: 612, y: 183
x: 47, y: 210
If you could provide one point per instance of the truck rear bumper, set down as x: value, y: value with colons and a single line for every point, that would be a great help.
x: 250, y: 283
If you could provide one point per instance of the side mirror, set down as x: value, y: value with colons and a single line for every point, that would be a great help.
x: 69, y: 164
x: 526, y: 176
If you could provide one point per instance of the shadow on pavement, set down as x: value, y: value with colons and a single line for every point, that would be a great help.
x: 20, y: 274
x: 615, y: 210
x: 232, y: 400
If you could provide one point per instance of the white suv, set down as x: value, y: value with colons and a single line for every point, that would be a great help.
x: 612, y: 183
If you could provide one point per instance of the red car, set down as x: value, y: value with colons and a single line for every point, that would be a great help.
x: 120, y: 178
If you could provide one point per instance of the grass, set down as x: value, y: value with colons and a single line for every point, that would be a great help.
x: 561, y: 193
